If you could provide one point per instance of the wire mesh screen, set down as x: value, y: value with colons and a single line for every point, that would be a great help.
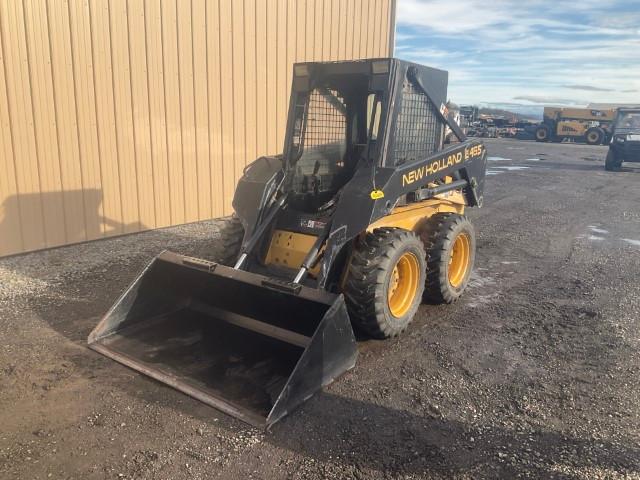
x: 325, y: 141
x: 418, y: 129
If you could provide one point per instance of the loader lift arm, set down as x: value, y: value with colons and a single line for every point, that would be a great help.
x: 464, y: 161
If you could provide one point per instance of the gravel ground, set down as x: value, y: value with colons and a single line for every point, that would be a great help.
x: 535, y: 373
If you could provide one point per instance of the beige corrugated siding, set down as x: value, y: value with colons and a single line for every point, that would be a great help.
x: 118, y: 116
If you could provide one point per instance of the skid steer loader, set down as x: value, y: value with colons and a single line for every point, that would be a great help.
x: 359, y: 219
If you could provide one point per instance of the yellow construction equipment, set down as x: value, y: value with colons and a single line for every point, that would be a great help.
x: 587, y: 125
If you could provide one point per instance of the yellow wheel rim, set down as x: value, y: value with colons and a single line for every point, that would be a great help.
x: 403, y: 284
x: 593, y: 136
x: 459, y: 260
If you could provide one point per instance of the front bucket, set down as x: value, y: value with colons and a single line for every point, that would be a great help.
x: 235, y: 340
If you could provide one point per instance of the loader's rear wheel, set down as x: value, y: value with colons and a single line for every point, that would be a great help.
x: 385, y: 282
x: 543, y: 134
x: 450, y: 243
x: 226, y: 247
x: 595, y: 136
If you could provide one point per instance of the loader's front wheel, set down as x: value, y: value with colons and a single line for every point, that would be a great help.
x: 385, y: 282
x: 595, y: 136
x: 450, y: 242
x: 612, y: 163
x: 226, y: 247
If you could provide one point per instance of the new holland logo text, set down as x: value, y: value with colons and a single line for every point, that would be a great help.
x: 440, y: 164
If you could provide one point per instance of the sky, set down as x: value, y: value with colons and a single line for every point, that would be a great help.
x: 522, y: 55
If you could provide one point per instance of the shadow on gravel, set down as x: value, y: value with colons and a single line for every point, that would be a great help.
x: 368, y: 436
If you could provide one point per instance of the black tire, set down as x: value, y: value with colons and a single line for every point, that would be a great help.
x: 543, y: 134
x: 226, y: 247
x: 612, y: 163
x: 594, y: 136
x: 371, y: 275
x: 439, y: 236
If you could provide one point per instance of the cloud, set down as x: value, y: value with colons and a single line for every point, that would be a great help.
x: 543, y: 100
x: 402, y: 37
x: 505, y: 104
x: 500, y: 50
x: 589, y: 88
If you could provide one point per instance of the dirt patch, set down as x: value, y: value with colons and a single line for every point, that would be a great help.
x: 532, y: 374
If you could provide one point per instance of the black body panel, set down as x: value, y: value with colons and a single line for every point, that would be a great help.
x: 629, y: 151
x: 255, y: 189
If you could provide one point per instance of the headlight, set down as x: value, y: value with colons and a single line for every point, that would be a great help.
x: 621, y: 138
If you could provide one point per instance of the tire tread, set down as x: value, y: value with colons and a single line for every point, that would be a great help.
x: 365, y: 286
x: 226, y: 247
x: 437, y: 236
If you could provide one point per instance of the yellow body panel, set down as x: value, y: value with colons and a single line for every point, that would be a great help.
x: 572, y: 128
x: 412, y: 216
x: 289, y: 249
x: 584, y: 114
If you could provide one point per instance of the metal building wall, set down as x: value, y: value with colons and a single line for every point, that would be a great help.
x: 118, y: 116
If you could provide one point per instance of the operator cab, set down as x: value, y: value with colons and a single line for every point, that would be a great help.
x: 628, y: 119
x: 336, y: 128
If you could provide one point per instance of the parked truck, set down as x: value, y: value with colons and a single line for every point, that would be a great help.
x: 587, y: 125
